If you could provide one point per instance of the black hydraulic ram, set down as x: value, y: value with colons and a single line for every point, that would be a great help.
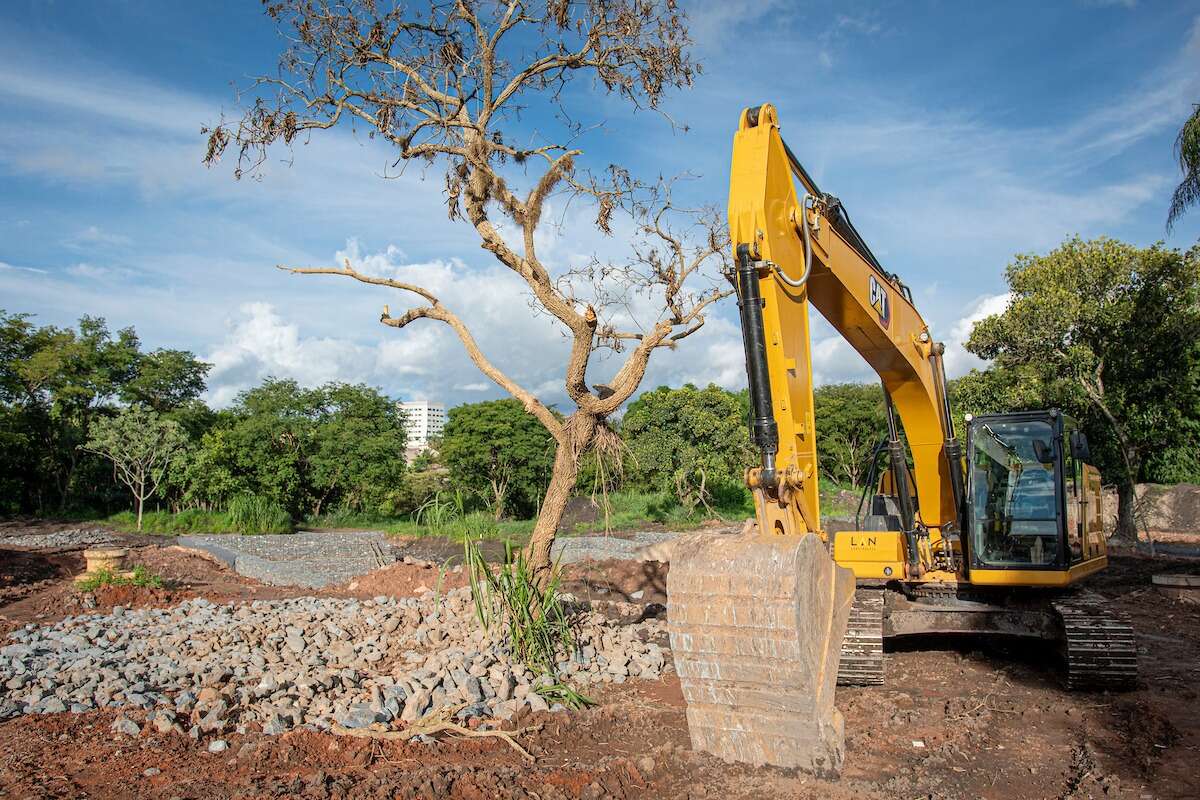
x: 900, y: 484
x: 764, y: 432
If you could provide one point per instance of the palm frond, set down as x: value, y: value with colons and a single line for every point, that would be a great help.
x: 1187, y: 150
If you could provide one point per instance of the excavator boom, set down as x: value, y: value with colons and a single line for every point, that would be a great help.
x: 803, y: 250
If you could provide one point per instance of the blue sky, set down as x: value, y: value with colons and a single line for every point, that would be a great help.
x: 958, y: 134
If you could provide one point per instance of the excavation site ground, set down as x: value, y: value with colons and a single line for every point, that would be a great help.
x: 957, y: 718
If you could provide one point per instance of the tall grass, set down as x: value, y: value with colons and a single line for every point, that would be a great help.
x: 506, y: 596
x: 245, y: 514
x: 250, y: 513
x: 439, y: 511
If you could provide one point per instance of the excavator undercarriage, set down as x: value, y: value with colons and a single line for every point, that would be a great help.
x: 1094, y: 647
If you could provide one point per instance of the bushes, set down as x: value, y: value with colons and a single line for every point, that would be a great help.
x: 688, y: 443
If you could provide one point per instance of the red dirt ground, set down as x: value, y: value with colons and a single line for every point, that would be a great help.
x: 954, y: 722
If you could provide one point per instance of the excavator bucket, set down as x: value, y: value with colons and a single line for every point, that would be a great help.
x: 756, y: 625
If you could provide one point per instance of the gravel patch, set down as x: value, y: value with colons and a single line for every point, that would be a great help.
x: 570, y: 549
x: 308, y: 559
x: 202, y: 669
x: 73, y: 537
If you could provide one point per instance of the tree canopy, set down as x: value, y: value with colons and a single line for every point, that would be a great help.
x: 1111, y: 333
x: 499, y: 453
x: 309, y: 450
x: 54, y: 383
x: 850, y: 420
x: 688, y: 442
x: 141, y: 445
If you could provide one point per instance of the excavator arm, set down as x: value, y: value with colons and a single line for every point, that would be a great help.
x: 795, y: 249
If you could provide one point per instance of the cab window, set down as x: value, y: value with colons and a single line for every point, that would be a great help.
x: 1013, y: 487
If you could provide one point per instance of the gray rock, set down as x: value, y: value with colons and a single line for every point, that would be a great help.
x: 150, y: 772
x: 126, y: 726
x: 359, y: 716
x: 536, y: 702
x: 471, y: 711
x: 52, y: 705
x: 218, y: 746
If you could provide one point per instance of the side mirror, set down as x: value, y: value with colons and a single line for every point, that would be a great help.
x: 1079, y: 446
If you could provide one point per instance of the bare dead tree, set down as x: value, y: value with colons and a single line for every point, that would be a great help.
x: 444, y: 83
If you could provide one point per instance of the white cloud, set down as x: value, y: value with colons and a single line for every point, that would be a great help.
x: 261, y: 344
x: 13, y: 268
x: 93, y: 235
x: 88, y: 271
x: 957, y: 360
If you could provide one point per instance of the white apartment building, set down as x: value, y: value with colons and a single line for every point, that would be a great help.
x: 423, y: 421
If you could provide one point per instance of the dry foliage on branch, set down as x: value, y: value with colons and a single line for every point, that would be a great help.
x: 445, y: 83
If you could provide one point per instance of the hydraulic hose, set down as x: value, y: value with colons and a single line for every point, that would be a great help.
x: 799, y: 284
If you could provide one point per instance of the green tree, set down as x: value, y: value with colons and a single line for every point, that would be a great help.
x: 308, y: 450
x: 1187, y: 150
x: 166, y: 380
x: 498, y: 452
x: 850, y: 421
x: 357, y: 458
x: 141, y: 446
x: 1111, y: 333
x: 54, y: 382
x: 687, y: 442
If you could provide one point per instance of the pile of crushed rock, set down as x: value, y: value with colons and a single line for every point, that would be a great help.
x: 201, y: 668
x: 71, y: 537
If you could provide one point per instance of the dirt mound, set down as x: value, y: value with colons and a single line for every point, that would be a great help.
x: 1159, y: 508
x: 403, y: 580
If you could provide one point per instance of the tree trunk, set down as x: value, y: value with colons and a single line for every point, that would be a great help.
x: 577, y: 434
x: 1127, y: 499
x: 499, y: 490
x: 140, y: 503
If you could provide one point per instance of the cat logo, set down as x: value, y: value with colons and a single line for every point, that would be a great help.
x: 879, y: 301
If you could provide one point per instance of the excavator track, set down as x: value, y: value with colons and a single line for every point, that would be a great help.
x: 861, y: 661
x: 1100, y: 647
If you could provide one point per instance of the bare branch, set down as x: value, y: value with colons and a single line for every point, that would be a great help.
x: 436, y: 310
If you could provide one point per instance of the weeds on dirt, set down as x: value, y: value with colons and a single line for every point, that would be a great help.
x: 536, y: 619
x: 106, y: 577
x: 561, y: 693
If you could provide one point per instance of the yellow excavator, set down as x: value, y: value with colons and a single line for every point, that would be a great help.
x: 986, y: 536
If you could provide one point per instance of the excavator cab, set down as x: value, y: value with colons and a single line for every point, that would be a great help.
x: 1032, y: 500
